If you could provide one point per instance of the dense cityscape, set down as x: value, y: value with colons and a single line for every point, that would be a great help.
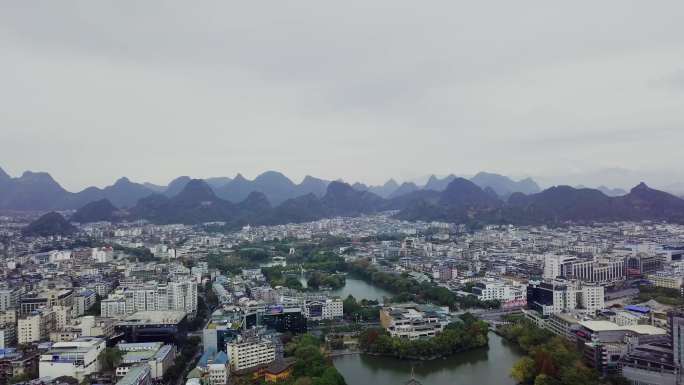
x: 140, y: 303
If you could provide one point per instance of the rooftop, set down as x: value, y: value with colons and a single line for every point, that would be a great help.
x: 601, y: 326
x: 134, y: 374
x: 151, y: 317
x: 646, y: 329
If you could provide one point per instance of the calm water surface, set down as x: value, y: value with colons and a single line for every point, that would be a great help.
x: 360, y: 290
x: 487, y: 366
x: 357, y: 288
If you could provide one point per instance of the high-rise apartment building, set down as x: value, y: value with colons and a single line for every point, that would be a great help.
x: 151, y: 296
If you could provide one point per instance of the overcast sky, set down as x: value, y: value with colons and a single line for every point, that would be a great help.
x: 360, y: 90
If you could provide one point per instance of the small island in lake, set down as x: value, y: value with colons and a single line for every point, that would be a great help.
x: 320, y: 279
x: 417, y: 332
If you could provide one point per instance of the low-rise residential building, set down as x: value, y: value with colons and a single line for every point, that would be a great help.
x: 651, y: 363
x: 36, y: 326
x: 91, y: 326
x: 251, y: 352
x: 604, y: 344
x: 77, y: 358
x: 323, y: 309
x: 562, y: 324
x: 665, y: 279
x: 46, y: 299
x: 215, y: 366
x: 14, y: 363
x: 498, y: 290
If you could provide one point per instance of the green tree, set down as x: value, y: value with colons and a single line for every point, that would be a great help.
x: 23, y: 377
x: 303, y: 381
x: 293, y: 282
x: 330, y: 377
x: 524, y: 371
x: 543, y: 379
x: 110, y: 358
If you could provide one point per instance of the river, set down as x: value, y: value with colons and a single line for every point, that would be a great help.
x: 484, y: 366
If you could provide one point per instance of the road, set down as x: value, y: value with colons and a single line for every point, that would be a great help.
x: 192, y: 363
x: 495, y: 315
x: 625, y: 293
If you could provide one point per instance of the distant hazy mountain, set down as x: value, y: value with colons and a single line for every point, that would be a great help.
x: 196, y: 203
x: 97, y: 211
x: 437, y: 184
x: 256, y: 204
x: 272, y: 198
x: 4, y: 176
x: 154, y: 187
x: 611, y: 192
x: 31, y: 191
x: 676, y: 188
x: 616, y: 177
x: 558, y: 204
x: 503, y: 185
x: 176, y: 186
x: 386, y: 189
x: 39, y: 191
x: 49, y: 224
x: 564, y: 203
x: 274, y: 185
x: 405, y: 188
x: 460, y: 201
x: 237, y: 189
x: 643, y: 202
x: 217, y: 182
x: 341, y: 199
x: 305, y: 208
x: 312, y: 185
x: 123, y: 193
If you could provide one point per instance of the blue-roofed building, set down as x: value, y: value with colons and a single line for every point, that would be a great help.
x: 638, y: 309
x: 214, y: 367
x: 204, y: 359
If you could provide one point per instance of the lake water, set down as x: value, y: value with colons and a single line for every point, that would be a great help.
x: 357, y: 288
x: 486, y: 366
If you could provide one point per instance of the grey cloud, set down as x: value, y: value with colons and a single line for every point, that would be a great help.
x: 356, y: 90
